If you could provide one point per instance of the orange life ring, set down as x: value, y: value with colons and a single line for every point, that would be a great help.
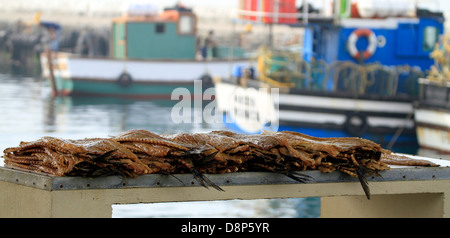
x: 353, y: 38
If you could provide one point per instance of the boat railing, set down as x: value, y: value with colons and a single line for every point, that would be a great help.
x: 434, y: 93
x: 305, y: 14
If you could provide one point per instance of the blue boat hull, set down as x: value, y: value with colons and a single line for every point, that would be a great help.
x: 403, y: 143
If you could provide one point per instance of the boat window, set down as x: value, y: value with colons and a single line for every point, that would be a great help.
x: 159, y: 28
x: 186, y: 24
x: 430, y: 37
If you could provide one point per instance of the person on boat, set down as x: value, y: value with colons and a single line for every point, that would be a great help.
x: 54, y: 36
x: 209, y: 46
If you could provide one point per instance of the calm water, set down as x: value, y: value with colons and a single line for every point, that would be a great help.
x: 27, y: 112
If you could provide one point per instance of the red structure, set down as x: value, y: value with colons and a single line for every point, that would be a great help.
x: 269, y: 11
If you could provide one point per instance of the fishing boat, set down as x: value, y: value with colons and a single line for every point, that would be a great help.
x: 356, y: 74
x: 151, y: 55
x: 432, y: 116
x: 432, y: 109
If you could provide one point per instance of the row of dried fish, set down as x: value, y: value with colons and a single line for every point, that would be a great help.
x: 138, y: 152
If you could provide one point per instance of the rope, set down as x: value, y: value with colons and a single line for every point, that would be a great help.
x: 440, y: 71
x: 399, y: 131
x: 288, y: 70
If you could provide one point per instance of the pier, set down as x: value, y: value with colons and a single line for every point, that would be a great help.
x: 403, y: 191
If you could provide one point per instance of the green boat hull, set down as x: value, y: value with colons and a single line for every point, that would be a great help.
x: 81, y: 87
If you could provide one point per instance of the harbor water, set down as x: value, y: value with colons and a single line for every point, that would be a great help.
x: 28, y: 112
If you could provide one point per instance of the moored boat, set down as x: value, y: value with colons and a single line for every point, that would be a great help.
x: 432, y: 109
x: 151, y: 55
x: 432, y: 116
x: 382, y: 118
x: 355, y: 76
